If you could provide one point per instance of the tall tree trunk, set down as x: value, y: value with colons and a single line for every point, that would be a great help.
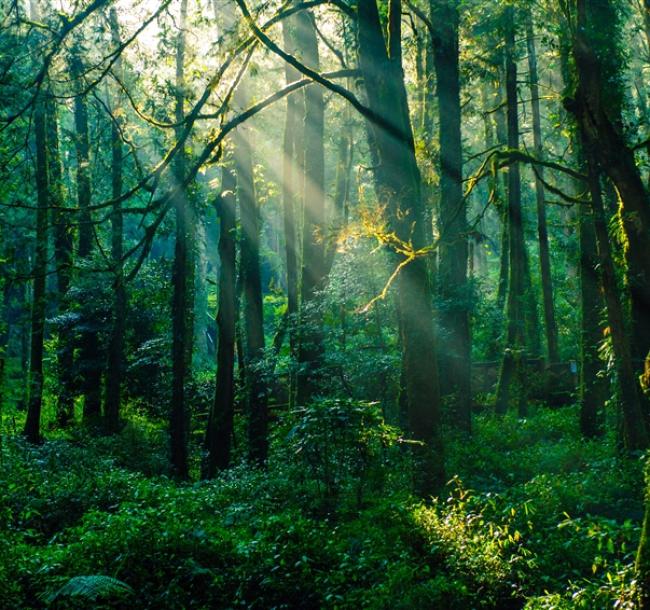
x: 598, y: 112
x: 635, y: 436
x: 252, y: 290
x: 398, y: 183
x: 89, y: 365
x: 490, y: 98
x: 33, y: 421
x: 290, y: 192
x: 501, y: 124
x: 219, y: 430
x: 115, y: 368
x: 24, y: 267
x: 310, y: 348
x: 533, y: 324
x: 201, y: 317
x: 182, y: 280
x: 455, y: 368
x: 513, y: 357
x: 592, y: 388
x: 114, y: 372
x: 542, y: 230
x: 63, y: 257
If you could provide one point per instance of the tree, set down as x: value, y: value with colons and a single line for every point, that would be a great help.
x: 219, y: 428
x: 63, y: 257
x: 542, y: 229
x: 314, y: 274
x: 115, y: 365
x: 252, y: 292
x: 512, y: 364
x: 32, y: 429
x: 182, y: 276
x: 455, y: 368
x: 289, y: 199
x: 398, y: 186
x: 89, y: 358
x: 598, y: 112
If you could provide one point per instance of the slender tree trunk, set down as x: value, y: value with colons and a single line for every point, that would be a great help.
x: 502, y: 194
x: 489, y: 97
x: 431, y: 207
x: 600, y: 121
x: 24, y: 267
x: 635, y: 435
x: 89, y: 365
x: 398, y: 182
x: 533, y: 324
x: 201, y: 292
x: 219, y: 430
x: 592, y: 388
x: 239, y: 331
x: 63, y: 257
x: 452, y: 257
x: 252, y: 290
x: 542, y: 230
x: 513, y: 357
x: 310, y: 348
x: 33, y: 421
x: 115, y: 368
x: 342, y: 188
x: 289, y: 194
x: 182, y: 280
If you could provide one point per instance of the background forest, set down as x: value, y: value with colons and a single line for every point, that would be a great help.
x: 324, y: 304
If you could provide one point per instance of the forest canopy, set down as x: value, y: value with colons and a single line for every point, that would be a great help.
x: 324, y: 304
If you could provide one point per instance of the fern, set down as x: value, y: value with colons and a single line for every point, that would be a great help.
x: 91, y: 588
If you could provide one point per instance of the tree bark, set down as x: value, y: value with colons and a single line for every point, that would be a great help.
x: 201, y: 317
x: 115, y: 368
x: 32, y: 429
x: 252, y: 291
x: 514, y: 354
x: 89, y: 364
x: 592, y: 388
x: 63, y: 257
x: 313, y: 276
x: 182, y: 280
x: 542, y: 230
x: 290, y: 192
x: 635, y: 435
x: 598, y: 112
x: 455, y: 368
x: 398, y: 183
x: 219, y: 429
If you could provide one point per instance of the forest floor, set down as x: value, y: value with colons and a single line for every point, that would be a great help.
x: 535, y: 517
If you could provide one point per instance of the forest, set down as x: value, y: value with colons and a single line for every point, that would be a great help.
x: 325, y: 304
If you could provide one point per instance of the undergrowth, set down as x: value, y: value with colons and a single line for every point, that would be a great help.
x: 535, y: 517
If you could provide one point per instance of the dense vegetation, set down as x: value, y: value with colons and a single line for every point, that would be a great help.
x: 324, y: 304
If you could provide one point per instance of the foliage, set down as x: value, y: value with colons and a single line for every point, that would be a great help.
x: 91, y: 588
x: 340, y: 441
x: 558, y: 532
